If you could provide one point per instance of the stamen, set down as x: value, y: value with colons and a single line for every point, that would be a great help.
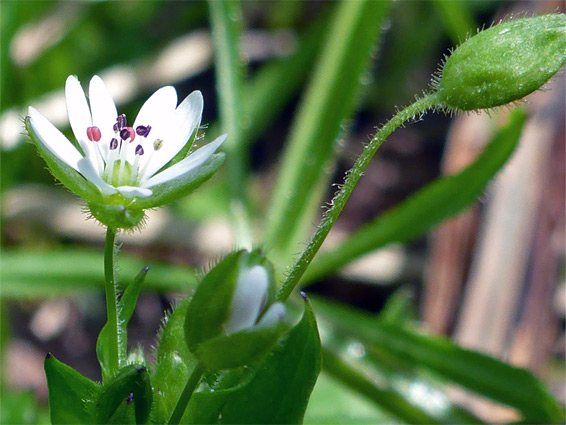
x: 116, y: 128
x: 143, y: 130
x: 135, y: 166
x: 128, y: 133
x: 93, y: 134
x: 113, y: 143
x: 157, y: 144
x: 122, y: 121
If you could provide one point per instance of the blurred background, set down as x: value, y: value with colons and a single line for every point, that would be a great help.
x: 491, y: 278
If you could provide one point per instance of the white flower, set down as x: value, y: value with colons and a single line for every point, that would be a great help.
x: 122, y: 158
x: 248, y: 302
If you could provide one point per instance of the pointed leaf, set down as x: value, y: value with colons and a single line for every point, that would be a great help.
x: 130, y: 380
x: 71, y: 395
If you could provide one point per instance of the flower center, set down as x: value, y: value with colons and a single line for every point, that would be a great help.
x: 117, y: 170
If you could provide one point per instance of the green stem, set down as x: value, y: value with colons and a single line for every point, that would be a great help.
x: 111, y: 300
x: 417, y: 108
x: 190, y: 387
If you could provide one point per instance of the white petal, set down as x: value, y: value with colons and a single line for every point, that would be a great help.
x: 90, y: 173
x: 157, y: 111
x: 188, y: 165
x: 131, y: 191
x: 104, y: 112
x: 185, y: 120
x: 248, y: 300
x: 275, y: 314
x: 80, y: 118
x: 53, y: 139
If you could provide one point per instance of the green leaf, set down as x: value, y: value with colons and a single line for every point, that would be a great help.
x: 428, y: 207
x: 477, y: 372
x: 34, y: 274
x: 71, y: 395
x: 387, y: 399
x: 129, y: 298
x: 329, y: 100
x: 175, y: 362
x: 225, y: 20
x: 130, y: 380
x: 280, y: 390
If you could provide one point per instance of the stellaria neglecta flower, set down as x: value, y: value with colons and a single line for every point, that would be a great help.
x: 124, y: 167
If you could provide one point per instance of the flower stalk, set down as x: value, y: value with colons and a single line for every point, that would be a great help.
x: 419, y: 107
x: 111, y: 300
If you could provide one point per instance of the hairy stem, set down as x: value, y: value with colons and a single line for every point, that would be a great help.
x: 417, y: 108
x: 111, y: 299
x: 188, y: 391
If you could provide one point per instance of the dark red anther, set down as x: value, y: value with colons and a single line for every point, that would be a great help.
x: 93, y: 134
x: 143, y: 130
x: 113, y: 143
x: 116, y: 128
x: 139, y: 150
x: 127, y: 133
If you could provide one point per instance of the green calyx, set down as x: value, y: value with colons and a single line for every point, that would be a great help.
x: 503, y: 63
x: 117, y: 216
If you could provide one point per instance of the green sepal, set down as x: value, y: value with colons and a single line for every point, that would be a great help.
x: 177, y: 188
x: 116, y: 216
x: 280, y: 389
x: 67, y: 175
x: 71, y: 395
x: 210, y: 305
x: 241, y: 348
x: 503, y: 63
x: 131, y: 379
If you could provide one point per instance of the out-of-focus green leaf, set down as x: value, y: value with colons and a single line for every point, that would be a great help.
x: 131, y: 385
x: 280, y: 390
x: 387, y: 399
x: 428, y: 207
x: 457, y: 19
x: 329, y: 100
x: 484, y: 375
x: 71, y: 395
x: 333, y: 402
x: 18, y: 408
x: 62, y: 272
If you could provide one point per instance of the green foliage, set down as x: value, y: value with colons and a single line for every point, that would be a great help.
x: 71, y: 395
x: 485, y: 375
x: 504, y: 63
x: 329, y: 100
x: 130, y: 386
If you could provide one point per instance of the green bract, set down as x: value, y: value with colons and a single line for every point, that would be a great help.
x: 232, y: 319
x: 503, y: 63
x: 121, y: 170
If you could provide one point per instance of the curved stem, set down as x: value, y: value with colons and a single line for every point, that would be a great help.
x: 111, y: 300
x: 417, y: 108
x: 190, y: 387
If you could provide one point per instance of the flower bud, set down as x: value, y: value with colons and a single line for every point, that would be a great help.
x: 232, y: 319
x: 503, y: 63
